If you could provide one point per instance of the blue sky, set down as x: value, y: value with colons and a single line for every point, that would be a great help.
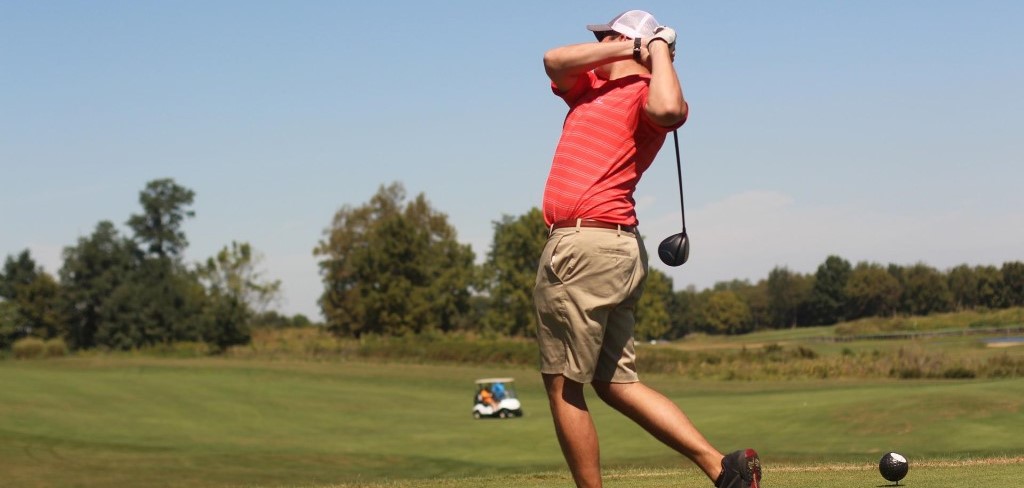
x: 876, y: 130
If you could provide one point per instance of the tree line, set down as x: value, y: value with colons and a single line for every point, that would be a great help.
x: 132, y: 291
x: 393, y: 266
x: 838, y: 291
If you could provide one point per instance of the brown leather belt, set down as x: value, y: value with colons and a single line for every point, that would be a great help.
x: 562, y: 224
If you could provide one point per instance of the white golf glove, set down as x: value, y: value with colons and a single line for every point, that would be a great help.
x: 666, y: 34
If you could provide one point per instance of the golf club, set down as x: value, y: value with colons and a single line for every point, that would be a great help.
x: 675, y: 249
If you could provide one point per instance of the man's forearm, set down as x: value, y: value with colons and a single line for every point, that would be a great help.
x: 564, y: 64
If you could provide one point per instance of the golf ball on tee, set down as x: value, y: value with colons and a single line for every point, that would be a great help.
x: 893, y: 466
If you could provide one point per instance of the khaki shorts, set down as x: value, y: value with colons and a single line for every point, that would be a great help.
x: 588, y: 283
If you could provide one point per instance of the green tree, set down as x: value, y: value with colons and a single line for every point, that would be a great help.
x: 990, y: 287
x: 38, y: 305
x: 235, y: 272
x: 10, y: 324
x: 20, y: 270
x: 685, y: 313
x: 872, y: 291
x: 963, y: 285
x: 236, y: 292
x: 788, y: 295
x: 925, y: 291
x: 226, y: 321
x: 160, y: 300
x: 828, y: 296
x: 392, y: 267
x: 726, y: 313
x: 33, y: 294
x: 1013, y: 283
x: 756, y: 299
x: 165, y: 205
x: 92, y: 270
x: 511, y: 271
x: 652, y: 311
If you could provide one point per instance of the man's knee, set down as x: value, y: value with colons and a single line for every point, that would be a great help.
x: 563, y: 389
x: 605, y: 391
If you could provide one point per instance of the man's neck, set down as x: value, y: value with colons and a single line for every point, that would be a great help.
x: 624, y: 68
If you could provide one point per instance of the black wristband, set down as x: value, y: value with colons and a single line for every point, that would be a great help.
x: 636, y: 49
x: 657, y: 39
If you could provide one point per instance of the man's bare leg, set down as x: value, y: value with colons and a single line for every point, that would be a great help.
x: 575, y: 430
x: 664, y: 420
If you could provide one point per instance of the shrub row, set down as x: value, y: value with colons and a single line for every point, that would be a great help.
x: 35, y: 348
x: 769, y: 362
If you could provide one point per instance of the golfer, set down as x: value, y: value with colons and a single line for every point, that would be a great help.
x: 623, y: 97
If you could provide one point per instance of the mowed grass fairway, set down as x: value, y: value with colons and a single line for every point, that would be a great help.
x: 146, y: 422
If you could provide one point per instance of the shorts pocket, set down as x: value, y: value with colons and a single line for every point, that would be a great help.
x: 563, y: 258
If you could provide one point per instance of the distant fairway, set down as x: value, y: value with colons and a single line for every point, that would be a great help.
x: 215, y: 422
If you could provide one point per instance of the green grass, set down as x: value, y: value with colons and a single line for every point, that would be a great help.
x: 966, y: 319
x: 946, y: 474
x: 149, y: 422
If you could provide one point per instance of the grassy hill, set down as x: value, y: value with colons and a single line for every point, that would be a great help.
x: 151, y: 422
x: 300, y: 408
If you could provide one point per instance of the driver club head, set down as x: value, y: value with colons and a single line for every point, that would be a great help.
x: 675, y: 249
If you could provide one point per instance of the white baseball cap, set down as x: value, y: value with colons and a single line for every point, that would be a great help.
x: 631, y: 23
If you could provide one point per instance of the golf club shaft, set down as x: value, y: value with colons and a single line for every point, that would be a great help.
x: 679, y: 171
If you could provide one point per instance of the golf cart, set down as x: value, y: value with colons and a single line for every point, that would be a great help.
x: 496, y: 397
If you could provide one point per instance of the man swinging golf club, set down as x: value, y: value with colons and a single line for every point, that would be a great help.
x: 623, y: 97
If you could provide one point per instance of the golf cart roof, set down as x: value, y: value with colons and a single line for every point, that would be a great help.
x: 482, y: 381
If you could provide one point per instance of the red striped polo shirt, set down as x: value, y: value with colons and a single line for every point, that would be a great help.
x: 607, y: 142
